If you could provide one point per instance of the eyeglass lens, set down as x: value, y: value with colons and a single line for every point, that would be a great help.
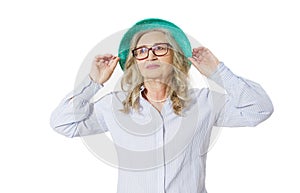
x: 143, y: 52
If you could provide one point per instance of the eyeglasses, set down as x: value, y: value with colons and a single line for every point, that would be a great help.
x: 159, y: 49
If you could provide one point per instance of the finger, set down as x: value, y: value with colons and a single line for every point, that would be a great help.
x: 193, y: 61
x: 202, y: 50
x: 108, y: 56
x: 109, y: 59
x: 203, y: 53
x: 198, y: 52
x: 103, y: 56
x: 101, y: 62
x: 114, y: 62
x: 197, y: 65
x: 198, y: 55
x: 198, y: 49
x: 98, y: 58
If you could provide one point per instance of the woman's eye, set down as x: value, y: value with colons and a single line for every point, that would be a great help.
x: 159, y: 48
x: 143, y: 50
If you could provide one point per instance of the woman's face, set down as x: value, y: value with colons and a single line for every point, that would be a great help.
x: 155, y: 67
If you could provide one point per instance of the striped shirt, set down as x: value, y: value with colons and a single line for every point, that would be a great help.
x: 162, y: 152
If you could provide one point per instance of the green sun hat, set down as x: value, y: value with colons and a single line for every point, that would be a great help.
x: 153, y: 23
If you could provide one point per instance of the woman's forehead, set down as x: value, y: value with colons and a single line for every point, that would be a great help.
x: 151, y: 38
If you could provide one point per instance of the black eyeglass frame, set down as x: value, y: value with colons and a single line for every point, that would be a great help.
x: 152, y: 48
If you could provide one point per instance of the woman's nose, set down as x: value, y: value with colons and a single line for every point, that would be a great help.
x: 151, y: 55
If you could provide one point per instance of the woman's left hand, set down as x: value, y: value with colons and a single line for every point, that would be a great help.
x: 204, y: 61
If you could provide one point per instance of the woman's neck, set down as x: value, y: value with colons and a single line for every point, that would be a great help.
x: 156, y: 90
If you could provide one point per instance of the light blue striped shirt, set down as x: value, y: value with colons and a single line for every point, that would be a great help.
x: 161, y: 152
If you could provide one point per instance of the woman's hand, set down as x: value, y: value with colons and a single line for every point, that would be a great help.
x: 204, y: 61
x: 103, y: 67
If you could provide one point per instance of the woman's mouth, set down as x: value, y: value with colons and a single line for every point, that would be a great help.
x: 152, y: 66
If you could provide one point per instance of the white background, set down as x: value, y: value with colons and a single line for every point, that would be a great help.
x: 42, y: 46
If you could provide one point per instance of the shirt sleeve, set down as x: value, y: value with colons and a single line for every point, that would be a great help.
x: 245, y: 103
x: 75, y: 116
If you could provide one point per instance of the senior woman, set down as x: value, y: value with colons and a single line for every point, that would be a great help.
x: 161, y: 126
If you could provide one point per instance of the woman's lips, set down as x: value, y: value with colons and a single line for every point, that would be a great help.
x: 152, y: 66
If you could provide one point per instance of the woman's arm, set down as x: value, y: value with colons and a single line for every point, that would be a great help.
x: 245, y: 102
x: 75, y: 115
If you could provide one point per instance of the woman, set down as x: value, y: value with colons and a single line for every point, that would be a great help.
x: 161, y: 127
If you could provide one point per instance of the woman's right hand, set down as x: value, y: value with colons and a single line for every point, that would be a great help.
x: 103, y: 67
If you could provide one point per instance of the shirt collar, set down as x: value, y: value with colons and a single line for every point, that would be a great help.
x: 143, y: 102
